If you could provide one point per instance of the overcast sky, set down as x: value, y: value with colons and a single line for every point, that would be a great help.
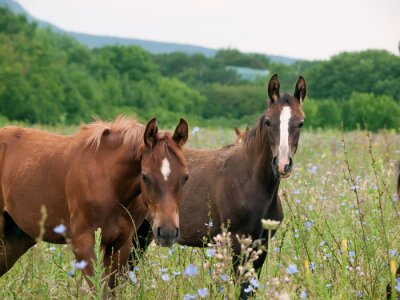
x: 310, y: 29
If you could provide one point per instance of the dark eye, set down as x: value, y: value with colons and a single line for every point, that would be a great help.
x: 301, y: 124
x: 145, y: 179
x: 185, y: 178
x: 267, y: 122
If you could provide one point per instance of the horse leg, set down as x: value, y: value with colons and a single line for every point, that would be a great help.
x: 141, y: 240
x: 14, y: 244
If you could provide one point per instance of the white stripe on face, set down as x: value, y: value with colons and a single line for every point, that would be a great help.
x: 165, y: 169
x: 284, y: 133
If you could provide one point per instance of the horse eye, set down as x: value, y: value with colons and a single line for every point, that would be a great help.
x: 301, y: 124
x: 267, y: 122
x: 185, y: 178
x: 145, y: 179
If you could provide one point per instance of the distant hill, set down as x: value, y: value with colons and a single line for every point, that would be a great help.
x: 154, y: 47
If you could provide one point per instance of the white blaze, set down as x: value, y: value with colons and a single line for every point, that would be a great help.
x: 284, y: 133
x: 165, y: 169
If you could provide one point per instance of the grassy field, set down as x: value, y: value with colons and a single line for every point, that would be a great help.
x: 341, y: 229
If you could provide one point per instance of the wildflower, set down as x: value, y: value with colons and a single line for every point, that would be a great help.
x: 80, y: 265
x: 191, y: 270
x: 182, y: 247
x: 323, y: 243
x: 132, y: 276
x: 189, y: 297
x: 52, y: 249
x: 312, y: 266
x: 296, y: 192
x: 210, y: 252
x: 195, y: 130
x: 313, y: 169
x: 360, y: 294
x: 224, y: 277
x: 328, y: 285
x: 398, y: 284
x: 392, y: 252
x: 248, y: 289
x: 308, y: 224
x: 328, y: 255
x: 355, y: 188
x: 270, y: 224
x: 163, y: 270
x: 165, y: 277
x: 303, y: 295
x: 277, y: 249
x: 71, y: 273
x: 209, y: 224
x: 176, y: 273
x: 352, y: 253
x: 170, y: 251
x: 298, y: 201
x: 254, y: 283
x: 292, y: 269
x: 202, y: 292
x: 135, y: 268
x: 60, y: 229
x: 310, y: 208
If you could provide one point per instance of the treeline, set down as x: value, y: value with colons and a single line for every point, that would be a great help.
x: 50, y: 78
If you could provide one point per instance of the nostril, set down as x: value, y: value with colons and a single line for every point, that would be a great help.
x: 290, y: 162
x: 287, y: 168
x: 177, y: 232
x: 158, y: 231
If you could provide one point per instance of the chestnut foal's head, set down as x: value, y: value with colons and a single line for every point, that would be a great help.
x: 164, y: 174
x: 283, y: 119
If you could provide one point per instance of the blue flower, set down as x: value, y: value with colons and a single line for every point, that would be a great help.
x: 163, y: 270
x: 398, y: 284
x: 202, y: 292
x: 254, y: 283
x: 313, y: 169
x: 165, y: 277
x: 191, y: 270
x: 224, y: 277
x: 210, y: 252
x: 328, y: 285
x: 308, y: 224
x: 60, y: 229
x: 312, y: 266
x: 248, y: 289
x: 132, y: 276
x: 80, y: 265
x: 292, y: 269
x: 392, y: 252
x: 176, y: 273
x: 303, y: 295
x: 360, y: 294
x: 189, y: 297
x: 352, y: 253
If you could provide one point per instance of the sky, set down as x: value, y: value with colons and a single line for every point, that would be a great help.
x: 308, y: 29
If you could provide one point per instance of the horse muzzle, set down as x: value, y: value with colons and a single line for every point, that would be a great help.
x: 282, y: 167
x: 166, y: 236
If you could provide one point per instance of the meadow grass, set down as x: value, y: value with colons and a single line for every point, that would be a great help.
x: 341, y: 230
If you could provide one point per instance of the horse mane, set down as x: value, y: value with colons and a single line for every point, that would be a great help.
x: 129, y: 131
x: 254, y: 136
x: 165, y: 144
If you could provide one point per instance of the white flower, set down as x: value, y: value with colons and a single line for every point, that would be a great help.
x: 270, y: 224
x: 80, y: 265
x: 195, y: 130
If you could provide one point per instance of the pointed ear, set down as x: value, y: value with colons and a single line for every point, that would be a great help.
x: 300, y: 90
x: 237, y: 130
x: 181, y: 133
x: 273, y: 88
x: 150, y: 133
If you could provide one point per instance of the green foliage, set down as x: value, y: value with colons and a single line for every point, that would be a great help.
x: 370, y: 71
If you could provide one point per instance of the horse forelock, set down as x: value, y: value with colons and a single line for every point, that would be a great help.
x: 129, y: 131
x: 165, y: 145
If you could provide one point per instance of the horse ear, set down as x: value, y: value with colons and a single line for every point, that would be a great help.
x: 150, y: 133
x: 300, y: 90
x: 181, y: 133
x: 237, y: 130
x: 273, y: 88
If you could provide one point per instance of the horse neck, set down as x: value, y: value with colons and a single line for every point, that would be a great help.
x: 259, y: 155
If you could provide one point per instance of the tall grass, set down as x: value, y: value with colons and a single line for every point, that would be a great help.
x: 340, y: 232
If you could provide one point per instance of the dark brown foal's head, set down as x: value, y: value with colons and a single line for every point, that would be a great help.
x: 241, y: 134
x: 284, y: 118
x: 164, y: 173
